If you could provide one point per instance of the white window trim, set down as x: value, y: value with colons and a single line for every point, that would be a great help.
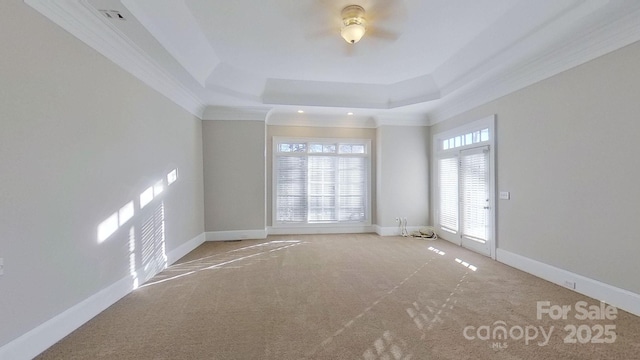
x: 274, y: 154
x: 478, y: 125
x: 437, y: 139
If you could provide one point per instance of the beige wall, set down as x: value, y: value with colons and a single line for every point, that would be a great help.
x: 565, y: 150
x: 79, y: 138
x: 234, y: 175
x: 319, y: 132
x: 403, y: 175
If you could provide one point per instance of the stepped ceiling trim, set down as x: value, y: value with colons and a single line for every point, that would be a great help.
x: 194, y: 65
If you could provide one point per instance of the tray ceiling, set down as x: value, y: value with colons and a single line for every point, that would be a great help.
x: 420, y: 61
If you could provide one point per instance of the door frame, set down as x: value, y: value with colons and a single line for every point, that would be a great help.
x: 437, y: 150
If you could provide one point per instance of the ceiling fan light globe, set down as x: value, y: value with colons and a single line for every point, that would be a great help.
x: 352, y: 33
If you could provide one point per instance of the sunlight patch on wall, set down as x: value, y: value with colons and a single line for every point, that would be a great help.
x: 153, y: 253
x: 146, y: 197
x: 108, y: 227
x: 132, y: 257
x: 115, y: 221
x: 172, y: 176
x: 146, y: 241
x: 158, y: 188
x: 127, y: 212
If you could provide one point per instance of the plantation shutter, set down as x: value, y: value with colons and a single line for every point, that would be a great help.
x: 321, y: 182
x: 291, y: 189
x: 475, y: 192
x: 322, y: 189
x: 352, y: 195
x: 448, y: 181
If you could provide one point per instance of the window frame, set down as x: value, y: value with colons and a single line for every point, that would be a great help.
x: 277, y: 140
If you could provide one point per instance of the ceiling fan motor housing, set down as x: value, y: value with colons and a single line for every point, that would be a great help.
x: 353, y: 23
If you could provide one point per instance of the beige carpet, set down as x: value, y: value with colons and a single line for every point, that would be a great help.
x: 345, y: 297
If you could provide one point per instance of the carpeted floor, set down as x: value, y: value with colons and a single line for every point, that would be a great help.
x: 347, y: 297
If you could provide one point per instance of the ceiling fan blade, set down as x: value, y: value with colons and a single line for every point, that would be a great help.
x: 379, y: 33
x: 382, y: 10
x: 329, y: 6
x: 324, y: 21
x: 322, y: 33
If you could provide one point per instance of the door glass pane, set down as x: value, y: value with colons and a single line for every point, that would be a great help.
x: 475, y: 194
x: 448, y: 184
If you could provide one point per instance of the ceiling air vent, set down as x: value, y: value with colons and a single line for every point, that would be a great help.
x: 113, y: 14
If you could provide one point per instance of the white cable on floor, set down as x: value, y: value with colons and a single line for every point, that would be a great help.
x: 403, y: 227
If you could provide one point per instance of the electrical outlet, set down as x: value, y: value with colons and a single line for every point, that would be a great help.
x: 570, y: 284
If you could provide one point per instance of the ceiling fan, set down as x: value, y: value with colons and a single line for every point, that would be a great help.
x: 356, y: 21
x: 354, y: 24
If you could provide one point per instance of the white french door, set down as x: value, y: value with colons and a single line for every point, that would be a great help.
x: 464, y: 181
x: 474, y: 199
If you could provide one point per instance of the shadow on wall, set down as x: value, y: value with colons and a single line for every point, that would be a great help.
x: 146, y: 241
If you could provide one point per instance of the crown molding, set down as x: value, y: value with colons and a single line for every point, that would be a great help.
x: 237, y: 113
x: 320, y: 120
x: 84, y: 22
x: 402, y: 120
x: 341, y: 121
x: 196, y: 55
x: 482, y: 57
x: 596, y: 42
x: 278, y: 117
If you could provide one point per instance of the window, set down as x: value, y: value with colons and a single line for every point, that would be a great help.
x: 321, y: 181
x: 466, y: 139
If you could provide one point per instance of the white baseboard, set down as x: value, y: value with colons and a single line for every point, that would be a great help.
x: 236, y: 235
x: 182, y: 250
x: 395, y: 230
x: 37, y: 340
x: 355, y: 229
x: 293, y: 230
x: 387, y: 231
x: 42, y: 337
x: 620, y: 298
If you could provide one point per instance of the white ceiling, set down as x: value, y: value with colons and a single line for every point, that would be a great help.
x: 419, y: 62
